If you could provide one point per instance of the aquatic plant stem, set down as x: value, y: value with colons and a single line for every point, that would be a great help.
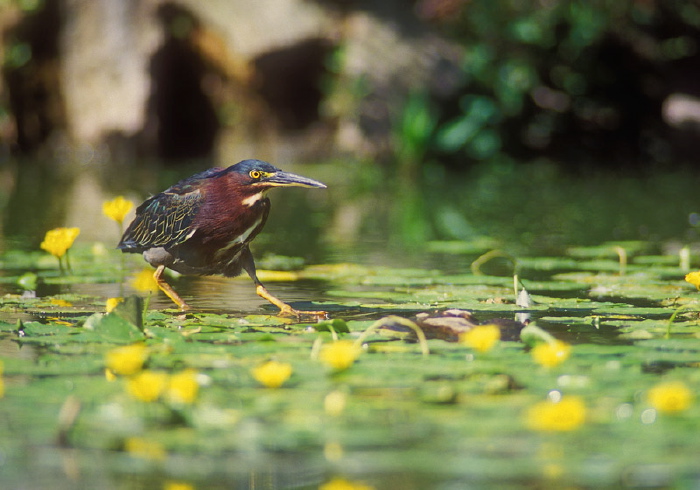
x: 67, y: 417
x: 401, y: 321
x: 673, y: 318
x: 68, y: 266
x: 492, y: 254
x: 146, y: 303
x: 316, y: 348
x: 684, y: 255
x: 622, y: 257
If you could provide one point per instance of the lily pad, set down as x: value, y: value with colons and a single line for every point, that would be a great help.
x: 113, y: 328
x: 394, y: 406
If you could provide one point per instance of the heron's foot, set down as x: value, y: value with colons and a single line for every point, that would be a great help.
x: 285, y: 309
x: 288, y: 311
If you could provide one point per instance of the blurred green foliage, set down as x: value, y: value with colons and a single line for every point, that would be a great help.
x: 414, y: 128
x: 574, y: 80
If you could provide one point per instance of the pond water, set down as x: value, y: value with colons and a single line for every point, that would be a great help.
x: 376, y: 216
x: 601, y: 255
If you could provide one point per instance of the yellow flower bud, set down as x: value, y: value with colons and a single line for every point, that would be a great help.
x: 481, y: 338
x: 117, y: 208
x: 112, y: 303
x: 272, y: 374
x: 183, y: 387
x: 550, y: 354
x: 342, y: 484
x: 340, y: 355
x: 174, y: 485
x: 566, y: 414
x: 693, y: 278
x: 144, y: 281
x: 334, y: 402
x: 670, y: 397
x: 147, y: 386
x: 126, y: 360
x: 59, y: 240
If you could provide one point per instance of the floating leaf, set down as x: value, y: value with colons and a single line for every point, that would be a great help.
x: 131, y: 310
x: 113, y: 328
x: 28, y: 281
x: 337, y: 325
x: 532, y: 335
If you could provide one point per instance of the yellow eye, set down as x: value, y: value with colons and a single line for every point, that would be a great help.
x: 255, y: 174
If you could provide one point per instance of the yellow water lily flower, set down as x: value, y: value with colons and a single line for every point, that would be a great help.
x: 143, y: 448
x: 126, y: 360
x: 340, y: 355
x: 60, y: 302
x: 112, y: 303
x: 272, y: 374
x: 147, y: 386
x: 670, y: 397
x: 334, y: 403
x: 342, y: 484
x: 550, y: 354
x: 117, y: 208
x: 481, y: 338
x: 144, y: 281
x: 566, y: 414
x: 59, y: 240
x: 183, y: 387
x: 693, y: 278
x: 176, y: 485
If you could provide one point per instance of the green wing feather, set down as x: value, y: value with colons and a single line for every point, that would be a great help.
x: 166, y: 219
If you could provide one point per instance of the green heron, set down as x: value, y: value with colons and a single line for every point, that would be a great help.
x: 204, y: 224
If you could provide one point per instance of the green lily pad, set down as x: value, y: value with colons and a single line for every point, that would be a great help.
x: 337, y: 325
x: 36, y: 329
x: 459, y: 247
x: 609, y: 249
x: 113, y: 328
x: 392, y: 407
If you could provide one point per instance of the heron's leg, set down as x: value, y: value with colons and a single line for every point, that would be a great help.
x: 285, y: 309
x: 248, y: 265
x: 168, y: 290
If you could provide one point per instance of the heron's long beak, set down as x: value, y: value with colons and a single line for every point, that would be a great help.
x: 283, y: 179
